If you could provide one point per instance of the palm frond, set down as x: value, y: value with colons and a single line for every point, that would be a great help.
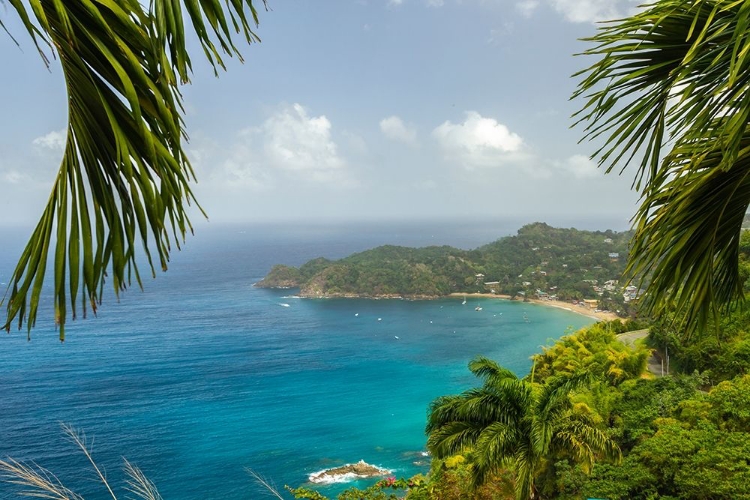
x: 213, y: 21
x: 124, y: 181
x: 451, y: 438
x: 688, y: 235
x: 671, y: 86
x: 489, y: 371
x: 495, y: 448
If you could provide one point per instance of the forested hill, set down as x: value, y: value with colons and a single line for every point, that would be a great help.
x: 539, y: 260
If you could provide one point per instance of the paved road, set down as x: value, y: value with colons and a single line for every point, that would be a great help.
x: 654, y: 361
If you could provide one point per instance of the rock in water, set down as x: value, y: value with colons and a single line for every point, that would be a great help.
x: 347, y: 473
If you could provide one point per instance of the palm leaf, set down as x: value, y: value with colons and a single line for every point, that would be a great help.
x: 671, y: 92
x: 124, y: 180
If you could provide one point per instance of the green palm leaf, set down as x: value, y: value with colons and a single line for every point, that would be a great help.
x: 124, y: 180
x: 670, y: 92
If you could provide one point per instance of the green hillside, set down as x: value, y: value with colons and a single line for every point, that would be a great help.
x: 539, y: 261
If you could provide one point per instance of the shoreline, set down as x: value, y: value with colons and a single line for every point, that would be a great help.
x: 582, y: 310
x: 558, y: 304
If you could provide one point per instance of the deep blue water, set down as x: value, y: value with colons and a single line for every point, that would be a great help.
x: 202, y: 375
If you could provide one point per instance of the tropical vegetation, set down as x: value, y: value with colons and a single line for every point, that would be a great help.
x: 539, y: 260
x: 515, y: 424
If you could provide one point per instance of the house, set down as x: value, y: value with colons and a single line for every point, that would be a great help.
x: 614, y: 255
x: 590, y: 303
x: 608, y: 240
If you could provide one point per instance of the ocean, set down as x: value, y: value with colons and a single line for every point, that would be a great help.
x: 201, y: 375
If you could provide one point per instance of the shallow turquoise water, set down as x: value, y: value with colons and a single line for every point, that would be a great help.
x: 203, y: 375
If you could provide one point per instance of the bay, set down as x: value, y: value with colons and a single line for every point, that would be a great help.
x: 201, y: 374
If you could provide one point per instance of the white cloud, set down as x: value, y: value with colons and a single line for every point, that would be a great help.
x: 435, y: 3
x: 480, y: 142
x: 591, y: 11
x: 296, y: 142
x: 395, y: 2
x: 581, y: 167
x: 55, y: 140
x: 290, y: 143
x: 527, y: 7
x: 393, y: 128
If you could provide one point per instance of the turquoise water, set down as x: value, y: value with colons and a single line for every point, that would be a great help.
x: 203, y: 375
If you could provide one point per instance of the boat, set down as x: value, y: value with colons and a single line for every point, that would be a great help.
x: 478, y: 308
x: 464, y: 302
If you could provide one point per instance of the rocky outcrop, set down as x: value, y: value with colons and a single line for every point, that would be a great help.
x: 348, y: 472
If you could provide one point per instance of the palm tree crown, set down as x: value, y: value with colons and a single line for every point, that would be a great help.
x: 511, y: 423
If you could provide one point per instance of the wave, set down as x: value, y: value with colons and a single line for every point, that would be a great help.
x: 291, y: 297
x: 347, y: 473
x: 283, y: 304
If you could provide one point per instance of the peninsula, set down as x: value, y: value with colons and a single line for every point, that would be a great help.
x: 539, y: 262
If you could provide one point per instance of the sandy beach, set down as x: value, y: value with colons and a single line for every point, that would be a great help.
x: 583, y: 310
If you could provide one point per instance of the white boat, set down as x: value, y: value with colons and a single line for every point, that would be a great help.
x: 464, y: 302
x: 478, y: 308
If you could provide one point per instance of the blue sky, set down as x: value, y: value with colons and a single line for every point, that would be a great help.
x: 359, y: 110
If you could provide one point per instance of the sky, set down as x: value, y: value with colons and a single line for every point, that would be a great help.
x: 362, y: 110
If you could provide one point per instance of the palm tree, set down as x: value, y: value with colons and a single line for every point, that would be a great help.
x: 514, y: 424
x: 124, y: 178
x: 670, y: 92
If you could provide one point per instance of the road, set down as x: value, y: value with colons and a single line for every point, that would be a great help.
x: 654, y: 361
